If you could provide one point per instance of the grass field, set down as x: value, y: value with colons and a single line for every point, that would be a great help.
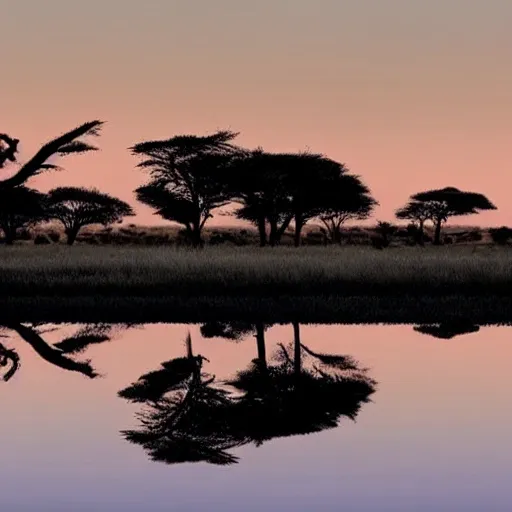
x: 348, y: 283
x: 252, y: 271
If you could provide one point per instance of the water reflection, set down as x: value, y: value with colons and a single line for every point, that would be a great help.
x: 191, y: 416
x: 58, y: 354
x: 448, y: 330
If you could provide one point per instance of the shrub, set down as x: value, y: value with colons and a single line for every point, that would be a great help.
x: 42, y: 240
x: 500, y: 235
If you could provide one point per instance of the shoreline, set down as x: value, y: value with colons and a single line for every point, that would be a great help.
x: 489, y: 310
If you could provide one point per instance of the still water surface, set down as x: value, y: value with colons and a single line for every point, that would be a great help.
x: 434, y: 435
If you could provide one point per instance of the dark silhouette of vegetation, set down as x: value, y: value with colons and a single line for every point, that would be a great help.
x: 416, y: 211
x: 53, y: 354
x: 500, y: 235
x: 78, y: 207
x: 68, y: 143
x: 186, y: 418
x: 20, y: 208
x: 8, y: 149
x: 348, y: 198
x: 448, y: 330
x: 385, y: 231
x: 192, y: 418
x: 450, y: 202
x: 59, y: 354
x: 186, y: 183
x: 275, y: 189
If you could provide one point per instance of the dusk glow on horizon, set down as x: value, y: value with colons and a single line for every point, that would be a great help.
x: 409, y: 95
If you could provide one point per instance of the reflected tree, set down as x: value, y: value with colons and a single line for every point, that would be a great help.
x: 189, y: 417
x: 59, y: 354
x: 302, y: 392
x: 448, y: 331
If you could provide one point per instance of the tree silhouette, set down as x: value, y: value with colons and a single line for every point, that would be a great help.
x: 19, y: 208
x: 450, y: 202
x: 8, y: 149
x: 257, y: 184
x: 58, y: 354
x: 449, y: 330
x: 236, y: 331
x: 189, y: 419
x: 68, y: 143
x: 77, y: 207
x: 309, y: 179
x: 275, y: 189
x: 186, y: 178
x: 186, y: 418
x: 347, y: 198
x: 305, y: 392
x: 385, y: 230
x: 416, y: 211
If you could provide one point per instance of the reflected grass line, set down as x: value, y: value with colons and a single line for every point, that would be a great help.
x: 305, y: 309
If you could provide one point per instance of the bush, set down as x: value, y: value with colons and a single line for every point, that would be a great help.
x: 54, y: 236
x: 500, y: 235
x: 24, y: 234
x: 475, y: 236
x: 42, y: 240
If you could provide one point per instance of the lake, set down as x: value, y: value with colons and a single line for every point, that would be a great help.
x: 408, y: 421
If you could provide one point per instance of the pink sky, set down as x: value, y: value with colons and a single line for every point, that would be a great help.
x: 409, y: 95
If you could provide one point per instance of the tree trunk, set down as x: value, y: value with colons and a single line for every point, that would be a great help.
x: 71, y: 234
x: 197, y: 241
x: 437, y: 236
x: 421, y: 233
x: 262, y: 231
x: 273, y: 233
x: 296, y: 349
x: 260, y: 341
x: 9, y: 235
x: 298, y: 230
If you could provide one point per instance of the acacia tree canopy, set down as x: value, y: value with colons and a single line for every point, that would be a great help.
x: 449, y: 202
x: 76, y: 207
x: 186, y: 177
x: 345, y: 198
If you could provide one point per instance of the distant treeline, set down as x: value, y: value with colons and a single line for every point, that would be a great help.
x: 190, y: 176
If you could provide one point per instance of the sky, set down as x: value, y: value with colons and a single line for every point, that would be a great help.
x: 410, y: 95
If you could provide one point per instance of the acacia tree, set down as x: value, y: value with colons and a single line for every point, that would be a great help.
x: 275, y: 189
x: 450, y: 202
x: 346, y: 198
x: 308, y: 181
x: 20, y: 207
x: 256, y: 182
x: 416, y: 211
x: 186, y: 177
x: 77, y: 207
x: 68, y: 143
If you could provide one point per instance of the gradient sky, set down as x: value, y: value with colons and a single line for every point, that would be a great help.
x: 409, y: 94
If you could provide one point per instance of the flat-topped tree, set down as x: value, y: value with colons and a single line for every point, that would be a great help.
x: 68, y: 143
x: 450, y: 202
x: 77, y: 207
x: 186, y: 177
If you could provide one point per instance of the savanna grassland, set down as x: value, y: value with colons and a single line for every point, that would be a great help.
x: 322, y: 283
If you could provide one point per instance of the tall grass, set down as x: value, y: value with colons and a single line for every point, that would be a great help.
x: 253, y: 272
